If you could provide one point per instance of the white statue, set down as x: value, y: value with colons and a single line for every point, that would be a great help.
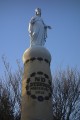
x: 37, y: 29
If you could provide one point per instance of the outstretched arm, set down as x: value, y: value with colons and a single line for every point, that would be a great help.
x: 49, y: 27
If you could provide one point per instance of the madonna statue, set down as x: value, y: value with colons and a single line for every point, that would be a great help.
x: 37, y: 29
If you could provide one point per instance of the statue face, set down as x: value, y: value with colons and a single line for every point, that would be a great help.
x: 38, y: 11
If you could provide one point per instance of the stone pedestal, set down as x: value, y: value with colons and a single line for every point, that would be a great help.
x: 36, y: 85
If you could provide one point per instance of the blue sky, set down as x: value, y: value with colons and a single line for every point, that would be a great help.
x: 63, y: 40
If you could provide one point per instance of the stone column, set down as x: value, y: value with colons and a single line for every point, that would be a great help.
x: 36, y: 85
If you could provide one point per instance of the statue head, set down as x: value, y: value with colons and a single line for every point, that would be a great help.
x: 38, y: 11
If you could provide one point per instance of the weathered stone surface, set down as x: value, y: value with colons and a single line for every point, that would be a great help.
x: 36, y: 85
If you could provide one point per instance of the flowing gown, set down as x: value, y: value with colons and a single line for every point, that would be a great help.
x: 37, y: 31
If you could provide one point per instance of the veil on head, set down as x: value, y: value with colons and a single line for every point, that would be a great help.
x: 38, y: 11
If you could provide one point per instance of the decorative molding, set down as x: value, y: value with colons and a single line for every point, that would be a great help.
x: 37, y: 58
x: 38, y: 86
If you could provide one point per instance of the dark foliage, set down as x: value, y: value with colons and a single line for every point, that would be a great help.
x: 10, y: 93
x: 66, y: 95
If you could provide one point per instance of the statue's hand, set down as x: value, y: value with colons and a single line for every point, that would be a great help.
x: 49, y: 27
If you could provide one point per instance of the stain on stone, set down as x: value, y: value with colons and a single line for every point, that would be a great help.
x: 49, y: 82
x: 28, y: 80
x: 28, y: 93
x: 40, y: 98
x: 32, y: 59
x: 40, y: 73
x: 27, y: 61
x: 33, y: 74
x: 33, y: 96
x: 46, y: 76
x: 50, y: 95
x: 27, y: 87
x: 46, y: 60
x: 39, y: 58
x: 46, y: 98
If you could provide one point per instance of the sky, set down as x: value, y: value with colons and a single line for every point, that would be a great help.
x: 63, y: 40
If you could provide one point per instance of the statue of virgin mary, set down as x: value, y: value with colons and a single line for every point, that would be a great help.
x: 37, y: 29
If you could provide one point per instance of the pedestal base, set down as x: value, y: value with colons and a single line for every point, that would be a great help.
x: 37, y: 85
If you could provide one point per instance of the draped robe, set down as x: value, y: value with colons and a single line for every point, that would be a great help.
x: 37, y: 31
